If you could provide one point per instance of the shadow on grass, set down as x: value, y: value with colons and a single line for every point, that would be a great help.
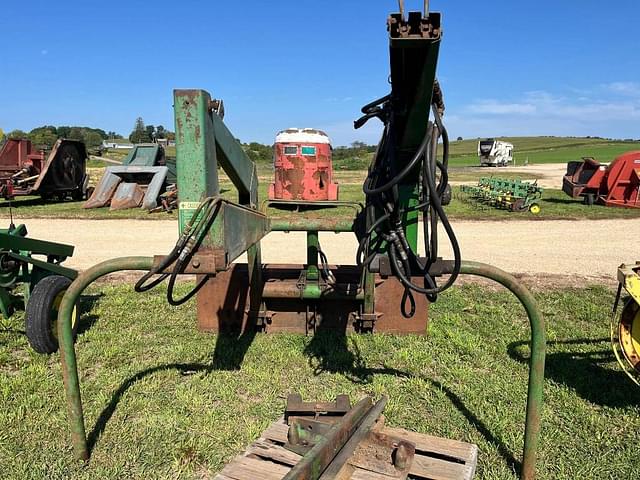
x: 585, y: 372
x: 88, y: 320
x: 26, y: 202
x: 328, y: 351
x: 564, y: 201
x: 332, y: 352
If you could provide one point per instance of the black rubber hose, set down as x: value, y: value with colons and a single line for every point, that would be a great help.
x: 403, y: 173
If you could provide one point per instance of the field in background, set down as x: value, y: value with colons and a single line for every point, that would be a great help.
x: 464, y: 152
x: 164, y: 401
x: 555, y: 205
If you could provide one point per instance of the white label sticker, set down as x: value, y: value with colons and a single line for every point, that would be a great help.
x: 188, y: 205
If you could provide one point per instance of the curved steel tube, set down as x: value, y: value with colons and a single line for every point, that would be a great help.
x: 67, y: 350
x: 536, y: 363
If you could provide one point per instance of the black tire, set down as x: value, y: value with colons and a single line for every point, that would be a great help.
x: 41, y: 313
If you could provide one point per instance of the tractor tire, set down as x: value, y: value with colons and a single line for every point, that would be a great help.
x: 41, y: 313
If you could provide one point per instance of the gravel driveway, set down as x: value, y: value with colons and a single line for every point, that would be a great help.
x: 585, y: 248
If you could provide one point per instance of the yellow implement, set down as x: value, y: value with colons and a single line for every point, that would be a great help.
x: 625, y: 337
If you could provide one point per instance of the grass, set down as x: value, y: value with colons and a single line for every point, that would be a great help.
x: 547, y: 150
x: 164, y: 401
x: 555, y: 205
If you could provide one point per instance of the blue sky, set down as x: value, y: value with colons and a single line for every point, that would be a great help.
x: 507, y: 67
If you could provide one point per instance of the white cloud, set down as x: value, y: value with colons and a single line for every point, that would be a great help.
x: 495, y: 107
x: 631, y: 89
x: 609, y: 110
x: 577, y: 112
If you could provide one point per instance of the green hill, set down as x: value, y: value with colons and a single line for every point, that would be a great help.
x: 546, y: 149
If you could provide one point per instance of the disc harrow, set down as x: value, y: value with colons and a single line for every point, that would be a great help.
x: 510, y: 195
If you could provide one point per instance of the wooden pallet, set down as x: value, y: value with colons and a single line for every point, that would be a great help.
x: 435, y: 459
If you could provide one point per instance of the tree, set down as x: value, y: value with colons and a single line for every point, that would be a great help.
x: 1, y: 135
x: 17, y: 134
x: 161, y: 132
x: 150, y: 131
x: 44, y: 136
x: 92, y: 139
x: 139, y: 134
x: 76, y: 133
x: 459, y: 139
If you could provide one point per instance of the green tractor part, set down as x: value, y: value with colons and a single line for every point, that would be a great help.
x: 405, y: 188
x: 510, y: 195
x: 139, y: 182
x: 34, y: 284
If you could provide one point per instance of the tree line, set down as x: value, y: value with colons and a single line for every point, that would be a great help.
x: 142, y: 133
x: 47, y: 135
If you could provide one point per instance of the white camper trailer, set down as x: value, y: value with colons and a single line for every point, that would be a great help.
x: 494, y: 153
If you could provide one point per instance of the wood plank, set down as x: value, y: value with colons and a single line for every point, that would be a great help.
x: 436, y: 469
x: 277, y: 432
x: 466, y: 452
x: 265, y: 449
x: 360, y: 474
x: 247, y: 468
x: 255, y: 462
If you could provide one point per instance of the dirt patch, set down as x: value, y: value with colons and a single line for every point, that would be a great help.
x: 548, y: 175
x: 558, y: 248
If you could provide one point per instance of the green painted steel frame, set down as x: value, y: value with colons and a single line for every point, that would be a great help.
x: 536, y: 361
x: 202, y: 143
x: 14, y: 244
x: 413, y: 62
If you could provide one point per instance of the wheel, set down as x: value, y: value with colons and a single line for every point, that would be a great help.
x: 629, y: 334
x: 589, y: 199
x: 534, y: 208
x: 41, y: 313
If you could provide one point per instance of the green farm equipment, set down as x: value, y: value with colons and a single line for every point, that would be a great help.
x: 387, y: 289
x: 32, y: 278
x: 511, y: 195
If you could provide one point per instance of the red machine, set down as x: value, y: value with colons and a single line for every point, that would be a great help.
x: 24, y: 171
x: 303, y: 167
x: 615, y: 185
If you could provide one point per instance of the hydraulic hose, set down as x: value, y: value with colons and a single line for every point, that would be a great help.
x: 384, y: 213
x: 191, y: 237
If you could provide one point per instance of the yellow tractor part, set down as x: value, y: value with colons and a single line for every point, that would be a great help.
x: 534, y: 208
x: 625, y: 337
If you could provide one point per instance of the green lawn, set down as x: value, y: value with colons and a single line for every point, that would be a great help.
x: 463, y: 153
x: 555, y: 206
x: 164, y: 401
x: 553, y: 152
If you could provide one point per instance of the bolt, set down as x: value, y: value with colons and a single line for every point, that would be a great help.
x: 401, y: 457
x: 195, y: 264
